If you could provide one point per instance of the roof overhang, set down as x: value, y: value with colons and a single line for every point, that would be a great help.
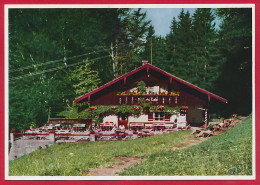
x: 147, y: 67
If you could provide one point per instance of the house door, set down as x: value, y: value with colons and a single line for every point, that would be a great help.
x: 123, y: 119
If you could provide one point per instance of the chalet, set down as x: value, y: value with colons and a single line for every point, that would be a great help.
x: 169, y: 99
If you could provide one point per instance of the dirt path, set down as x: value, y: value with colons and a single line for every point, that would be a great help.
x: 131, y: 161
x: 189, y: 142
x: 115, y: 169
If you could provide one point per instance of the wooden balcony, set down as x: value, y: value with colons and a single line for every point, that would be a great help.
x: 143, y: 95
x: 154, y: 99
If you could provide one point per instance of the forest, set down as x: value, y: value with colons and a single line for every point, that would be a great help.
x: 57, y: 55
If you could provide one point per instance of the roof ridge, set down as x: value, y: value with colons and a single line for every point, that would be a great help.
x: 158, y: 70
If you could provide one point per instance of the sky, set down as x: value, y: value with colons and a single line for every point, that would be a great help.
x: 162, y: 17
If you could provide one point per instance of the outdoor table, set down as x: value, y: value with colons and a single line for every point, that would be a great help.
x: 62, y: 132
x: 147, y: 130
x: 120, y: 134
x: 120, y: 131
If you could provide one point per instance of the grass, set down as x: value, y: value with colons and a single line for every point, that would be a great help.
x: 227, y: 154
x: 70, y: 159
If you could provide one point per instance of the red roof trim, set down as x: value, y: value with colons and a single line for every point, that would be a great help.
x: 110, y: 83
x: 147, y: 66
x: 189, y: 84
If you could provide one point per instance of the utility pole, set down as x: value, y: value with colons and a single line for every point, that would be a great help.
x: 151, y: 50
x: 113, y: 58
x: 49, y: 115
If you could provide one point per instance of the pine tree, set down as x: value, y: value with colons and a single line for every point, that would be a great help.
x: 159, y: 53
x: 171, y: 39
x: 205, y: 57
x: 235, y: 82
x: 129, y: 41
x: 179, y: 43
x: 192, y: 52
x: 155, y: 50
x: 149, y: 46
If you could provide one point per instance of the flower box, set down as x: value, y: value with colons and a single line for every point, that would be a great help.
x: 161, y: 108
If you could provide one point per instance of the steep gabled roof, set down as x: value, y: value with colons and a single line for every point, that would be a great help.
x: 147, y: 67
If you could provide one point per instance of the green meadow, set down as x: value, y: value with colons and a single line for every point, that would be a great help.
x: 227, y: 154
x: 76, y: 158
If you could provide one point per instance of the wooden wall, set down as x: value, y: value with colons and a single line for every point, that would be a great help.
x: 188, y: 96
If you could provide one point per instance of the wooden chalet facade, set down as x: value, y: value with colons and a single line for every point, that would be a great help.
x: 162, y: 89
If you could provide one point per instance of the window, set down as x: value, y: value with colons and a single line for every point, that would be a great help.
x: 159, y: 116
x: 156, y: 89
x: 183, y: 112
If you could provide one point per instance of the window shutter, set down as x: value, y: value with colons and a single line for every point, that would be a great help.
x: 150, y: 117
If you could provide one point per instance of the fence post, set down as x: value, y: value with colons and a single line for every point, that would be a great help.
x: 92, y: 136
x: 52, y: 136
x: 12, y: 137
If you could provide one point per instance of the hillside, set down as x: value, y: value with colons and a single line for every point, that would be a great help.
x: 77, y: 158
x: 227, y: 154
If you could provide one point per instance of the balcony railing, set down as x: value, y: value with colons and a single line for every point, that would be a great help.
x: 166, y: 95
x: 154, y: 99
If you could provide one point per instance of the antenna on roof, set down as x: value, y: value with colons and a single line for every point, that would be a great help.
x: 151, y: 51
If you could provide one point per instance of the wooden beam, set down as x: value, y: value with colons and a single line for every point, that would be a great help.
x: 147, y: 68
x: 170, y: 79
x: 209, y: 97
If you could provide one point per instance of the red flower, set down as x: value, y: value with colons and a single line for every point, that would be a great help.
x: 137, y: 108
x: 93, y: 108
x: 161, y: 108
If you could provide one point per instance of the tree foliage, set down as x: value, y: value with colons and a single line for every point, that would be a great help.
x: 129, y: 40
x: 205, y: 56
x: 179, y: 45
x: 192, y: 47
x: 236, y: 49
x: 48, y: 50
x: 84, y: 79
